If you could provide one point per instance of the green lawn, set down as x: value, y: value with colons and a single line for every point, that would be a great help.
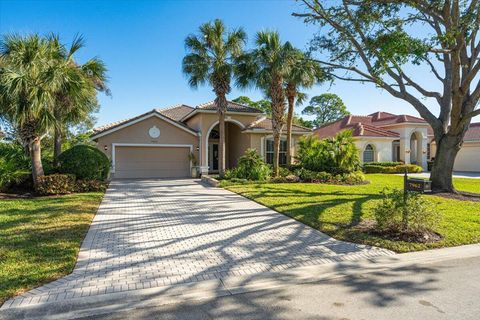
x: 40, y: 238
x: 336, y: 209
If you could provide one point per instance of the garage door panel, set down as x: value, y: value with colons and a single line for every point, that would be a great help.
x: 151, y: 162
x: 466, y: 159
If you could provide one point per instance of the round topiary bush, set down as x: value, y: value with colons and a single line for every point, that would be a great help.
x: 85, y: 162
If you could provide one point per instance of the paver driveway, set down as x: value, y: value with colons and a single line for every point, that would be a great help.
x: 153, y: 233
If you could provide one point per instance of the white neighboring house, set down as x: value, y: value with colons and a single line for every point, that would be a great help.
x: 383, y: 136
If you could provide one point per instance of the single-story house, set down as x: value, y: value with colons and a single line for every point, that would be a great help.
x: 383, y: 136
x: 157, y: 144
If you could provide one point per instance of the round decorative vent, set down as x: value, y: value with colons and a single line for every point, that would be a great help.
x: 154, y: 132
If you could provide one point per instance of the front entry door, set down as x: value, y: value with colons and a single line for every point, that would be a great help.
x: 215, y: 156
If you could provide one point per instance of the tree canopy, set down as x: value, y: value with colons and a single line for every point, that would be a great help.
x: 326, y: 108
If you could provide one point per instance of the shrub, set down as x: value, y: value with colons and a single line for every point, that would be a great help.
x: 250, y: 167
x: 85, y: 162
x: 335, y: 155
x: 356, y: 177
x: 284, y: 171
x: 410, y: 215
x: 14, y: 165
x: 375, y: 168
x: 90, y: 186
x: 56, y: 184
x: 385, y: 164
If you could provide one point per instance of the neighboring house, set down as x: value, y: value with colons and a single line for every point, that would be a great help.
x: 157, y: 144
x: 383, y: 136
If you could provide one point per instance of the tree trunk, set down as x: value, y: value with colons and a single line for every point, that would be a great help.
x: 276, y: 150
x: 291, y: 92
x: 36, y: 158
x: 278, y: 118
x: 442, y: 170
x: 57, y: 147
x: 221, y: 143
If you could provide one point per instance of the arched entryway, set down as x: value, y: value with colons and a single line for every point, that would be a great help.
x: 416, y: 152
x: 235, y: 145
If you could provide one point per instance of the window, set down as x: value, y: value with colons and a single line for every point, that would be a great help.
x: 428, y: 151
x: 368, y: 154
x: 282, y: 160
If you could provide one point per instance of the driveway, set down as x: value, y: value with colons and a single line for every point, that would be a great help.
x: 159, y: 233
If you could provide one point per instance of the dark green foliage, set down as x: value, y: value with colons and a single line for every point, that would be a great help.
x: 55, y: 184
x: 250, y: 167
x: 326, y: 108
x: 85, y: 162
x: 384, y: 164
x: 14, y: 165
x: 90, y: 186
x: 379, y: 168
x: 350, y: 178
x: 409, y: 213
x: 335, y: 155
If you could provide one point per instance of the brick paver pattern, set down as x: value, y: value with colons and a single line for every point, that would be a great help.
x: 154, y: 233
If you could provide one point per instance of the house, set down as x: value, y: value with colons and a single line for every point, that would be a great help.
x: 157, y: 144
x: 383, y: 136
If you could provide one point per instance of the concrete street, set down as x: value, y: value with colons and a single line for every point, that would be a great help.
x: 440, y: 290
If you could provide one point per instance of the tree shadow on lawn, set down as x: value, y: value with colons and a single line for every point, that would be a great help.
x: 315, y: 214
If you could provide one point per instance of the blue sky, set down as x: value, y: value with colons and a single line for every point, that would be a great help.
x: 142, y: 43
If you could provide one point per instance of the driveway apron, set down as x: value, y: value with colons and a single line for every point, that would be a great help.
x: 155, y: 233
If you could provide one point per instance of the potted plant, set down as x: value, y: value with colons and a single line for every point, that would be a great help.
x: 195, y: 168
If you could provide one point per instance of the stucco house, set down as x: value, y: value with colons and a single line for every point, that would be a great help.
x: 383, y: 136
x: 157, y: 144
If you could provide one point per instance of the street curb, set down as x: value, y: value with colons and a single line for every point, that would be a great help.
x: 110, y: 303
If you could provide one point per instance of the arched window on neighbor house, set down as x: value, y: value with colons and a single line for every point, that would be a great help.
x: 368, y: 154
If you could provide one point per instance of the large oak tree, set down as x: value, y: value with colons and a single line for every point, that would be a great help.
x: 390, y: 43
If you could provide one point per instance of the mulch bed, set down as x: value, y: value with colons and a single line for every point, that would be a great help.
x: 369, y: 226
x: 462, y: 196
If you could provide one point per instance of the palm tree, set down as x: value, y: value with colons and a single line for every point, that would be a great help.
x: 28, y: 83
x: 78, y: 97
x: 304, y: 73
x: 266, y: 67
x: 210, y: 60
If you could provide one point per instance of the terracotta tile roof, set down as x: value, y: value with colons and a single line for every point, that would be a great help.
x: 176, y: 112
x: 384, y: 118
x: 266, y: 124
x: 360, y: 125
x: 473, y: 132
x: 168, y: 112
x: 232, y: 106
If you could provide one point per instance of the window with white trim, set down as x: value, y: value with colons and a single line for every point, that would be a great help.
x: 282, y: 157
x: 368, y: 154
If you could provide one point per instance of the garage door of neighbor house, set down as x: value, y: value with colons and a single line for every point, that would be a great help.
x: 467, y: 158
x: 151, y: 162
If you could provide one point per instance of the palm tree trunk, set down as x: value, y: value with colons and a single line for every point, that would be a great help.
x: 291, y: 102
x: 57, y: 147
x: 278, y: 114
x: 221, y: 143
x: 36, y: 158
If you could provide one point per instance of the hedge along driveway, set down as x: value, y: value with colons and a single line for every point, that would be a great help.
x: 40, y: 238
x: 337, y: 210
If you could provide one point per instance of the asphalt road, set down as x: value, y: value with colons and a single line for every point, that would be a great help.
x: 441, y: 290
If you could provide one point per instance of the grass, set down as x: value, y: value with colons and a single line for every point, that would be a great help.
x: 40, y: 239
x: 336, y: 210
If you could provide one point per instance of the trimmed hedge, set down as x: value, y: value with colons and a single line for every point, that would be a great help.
x: 55, y: 184
x: 384, y: 164
x: 352, y: 178
x: 374, y: 168
x: 85, y: 162
x: 90, y: 186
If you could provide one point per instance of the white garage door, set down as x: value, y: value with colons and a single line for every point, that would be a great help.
x: 468, y: 158
x: 151, y: 162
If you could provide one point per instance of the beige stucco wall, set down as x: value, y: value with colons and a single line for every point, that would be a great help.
x: 382, y: 148
x: 137, y: 133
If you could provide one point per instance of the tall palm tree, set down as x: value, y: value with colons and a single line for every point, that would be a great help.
x: 28, y: 83
x: 77, y: 99
x: 304, y: 73
x: 266, y: 67
x: 210, y: 60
